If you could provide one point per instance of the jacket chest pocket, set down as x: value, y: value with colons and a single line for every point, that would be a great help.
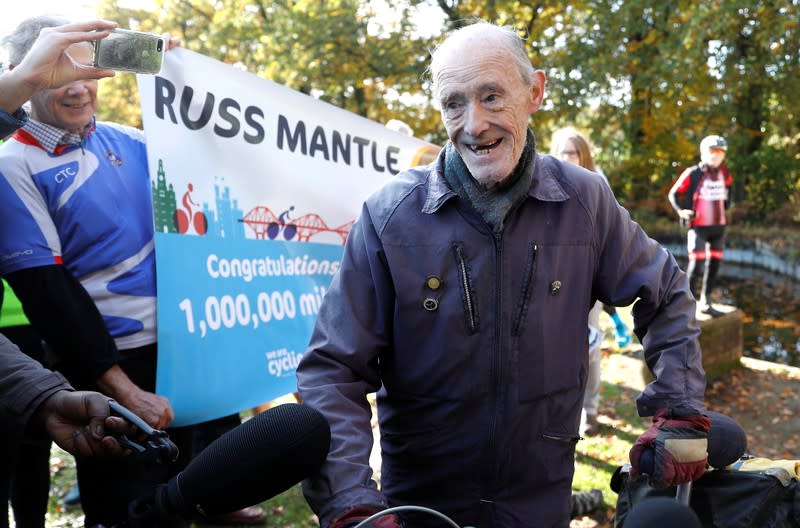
x: 549, y: 343
x: 438, y: 332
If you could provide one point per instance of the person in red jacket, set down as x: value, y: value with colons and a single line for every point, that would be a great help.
x: 700, y: 197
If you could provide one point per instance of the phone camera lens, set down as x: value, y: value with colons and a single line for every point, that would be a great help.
x: 159, y: 45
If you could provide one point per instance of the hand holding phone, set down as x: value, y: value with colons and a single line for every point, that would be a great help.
x: 132, y: 51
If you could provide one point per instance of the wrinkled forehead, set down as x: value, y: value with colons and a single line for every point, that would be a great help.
x: 468, y: 45
x: 466, y: 68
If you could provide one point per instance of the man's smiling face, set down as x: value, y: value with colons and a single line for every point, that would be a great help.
x: 72, y: 106
x: 485, y: 107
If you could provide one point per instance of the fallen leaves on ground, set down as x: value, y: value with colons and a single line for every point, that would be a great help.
x: 764, y: 400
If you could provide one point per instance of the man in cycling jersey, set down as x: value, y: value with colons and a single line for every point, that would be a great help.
x: 700, y: 197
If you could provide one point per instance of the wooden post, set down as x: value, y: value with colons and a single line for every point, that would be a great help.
x: 721, y: 340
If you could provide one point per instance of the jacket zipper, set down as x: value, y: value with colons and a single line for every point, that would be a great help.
x: 495, y: 376
x: 468, y: 301
x: 558, y: 438
x: 527, y: 289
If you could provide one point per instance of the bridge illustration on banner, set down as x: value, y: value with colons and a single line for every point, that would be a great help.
x: 266, y: 224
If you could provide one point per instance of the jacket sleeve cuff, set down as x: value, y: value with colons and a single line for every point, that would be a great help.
x: 339, y: 503
x: 47, y: 384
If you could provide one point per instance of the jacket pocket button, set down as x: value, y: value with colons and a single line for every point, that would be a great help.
x: 430, y: 304
x: 433, y: 282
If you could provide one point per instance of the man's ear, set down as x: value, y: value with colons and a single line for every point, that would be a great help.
x: 537, y: 91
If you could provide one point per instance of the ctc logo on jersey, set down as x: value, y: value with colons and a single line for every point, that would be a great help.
x: 65, y: 174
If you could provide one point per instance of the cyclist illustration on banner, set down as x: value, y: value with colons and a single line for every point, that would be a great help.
x: 289, y: 229
x: 184, y: 217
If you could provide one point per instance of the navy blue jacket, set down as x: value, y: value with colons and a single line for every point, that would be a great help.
x: 480, y: 377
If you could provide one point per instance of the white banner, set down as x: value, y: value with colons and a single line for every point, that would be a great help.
x: 255, y: 187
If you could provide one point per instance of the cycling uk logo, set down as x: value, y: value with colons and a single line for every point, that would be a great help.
x: 113, y: 158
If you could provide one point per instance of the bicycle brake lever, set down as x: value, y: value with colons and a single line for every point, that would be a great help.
x: 156, y: 443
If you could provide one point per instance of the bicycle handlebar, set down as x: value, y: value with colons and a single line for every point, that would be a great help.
x: 395, y: 509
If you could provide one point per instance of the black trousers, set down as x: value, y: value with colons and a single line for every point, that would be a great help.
x: 706, y: 245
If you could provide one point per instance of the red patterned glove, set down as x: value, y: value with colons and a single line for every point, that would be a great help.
x: 679, y: 440
x: 359, y: 512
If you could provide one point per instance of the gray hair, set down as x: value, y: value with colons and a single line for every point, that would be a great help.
x: 509, y: 38
x: 19, y: 42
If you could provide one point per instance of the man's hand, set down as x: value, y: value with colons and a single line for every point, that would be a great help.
x: 679, y: 440
x: 48, y: 65
x: 152, y: 408
x: 621, y: 330
x: 359, y: 512
x: 686, y: 214
x: 79, y: 423
x: 172, y: 42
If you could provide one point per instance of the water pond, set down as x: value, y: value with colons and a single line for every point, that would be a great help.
x: 771, y: 304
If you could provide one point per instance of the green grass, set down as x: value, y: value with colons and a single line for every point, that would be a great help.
x: 290, y: 510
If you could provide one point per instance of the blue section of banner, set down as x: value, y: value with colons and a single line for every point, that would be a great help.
x: 234, y: 318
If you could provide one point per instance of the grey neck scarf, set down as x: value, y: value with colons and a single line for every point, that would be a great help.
x: 492, y: 204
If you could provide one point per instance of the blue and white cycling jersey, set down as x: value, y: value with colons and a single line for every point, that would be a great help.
x: 88, y: 207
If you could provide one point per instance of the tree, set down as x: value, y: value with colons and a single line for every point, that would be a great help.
x: 329, y: 49
x: 760, y: 67
x: 646, y: 79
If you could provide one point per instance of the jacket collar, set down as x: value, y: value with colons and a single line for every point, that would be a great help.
x: 544, y: 187
x: 52, y: 139
x: 438, y: 189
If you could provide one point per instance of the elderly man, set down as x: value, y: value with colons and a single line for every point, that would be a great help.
x: 462, y: 300
x: 76, y: 239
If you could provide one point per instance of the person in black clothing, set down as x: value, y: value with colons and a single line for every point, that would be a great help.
x: 700, y: 197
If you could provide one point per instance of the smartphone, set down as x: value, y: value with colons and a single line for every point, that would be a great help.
x: 132, y: 51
